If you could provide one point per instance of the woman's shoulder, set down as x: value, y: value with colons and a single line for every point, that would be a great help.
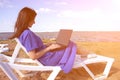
x: 27, y: 31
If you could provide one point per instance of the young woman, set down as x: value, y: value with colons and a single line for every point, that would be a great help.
x: 36, y: 48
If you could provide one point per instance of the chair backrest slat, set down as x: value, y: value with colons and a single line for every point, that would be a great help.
x: 15, y: 53
x: 24, y: 49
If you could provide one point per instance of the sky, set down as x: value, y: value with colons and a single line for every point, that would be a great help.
x: 52, y: 15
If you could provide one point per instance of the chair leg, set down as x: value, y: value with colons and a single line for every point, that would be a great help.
x: 54, y: 73
x: 101, y: 77
x: 8, y: 71
x: 88, y: 70
x: 108, y: 66
x: 106, y: 70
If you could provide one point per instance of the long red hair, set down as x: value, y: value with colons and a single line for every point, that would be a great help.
x: 22, y: 23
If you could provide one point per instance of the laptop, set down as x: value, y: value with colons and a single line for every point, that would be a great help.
x: 63, y: 38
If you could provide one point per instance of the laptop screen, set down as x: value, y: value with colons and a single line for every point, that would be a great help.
x: 64, y: 36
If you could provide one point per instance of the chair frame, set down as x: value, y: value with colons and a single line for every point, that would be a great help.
x: 4, y: 48
x: 79, y: 62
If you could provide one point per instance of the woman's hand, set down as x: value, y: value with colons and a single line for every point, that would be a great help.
x: 54, y: 46
x: 50, y: 43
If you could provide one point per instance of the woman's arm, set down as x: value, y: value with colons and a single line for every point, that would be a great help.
x: 35, y: 55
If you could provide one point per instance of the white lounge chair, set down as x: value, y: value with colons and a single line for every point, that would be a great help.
x: 4, y: 48
x: 55, y: 69
x: 8, y: 70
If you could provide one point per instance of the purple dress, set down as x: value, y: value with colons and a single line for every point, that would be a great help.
x: 64, y: 58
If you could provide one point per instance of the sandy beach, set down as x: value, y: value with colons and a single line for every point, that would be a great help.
x: 110, y: 49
